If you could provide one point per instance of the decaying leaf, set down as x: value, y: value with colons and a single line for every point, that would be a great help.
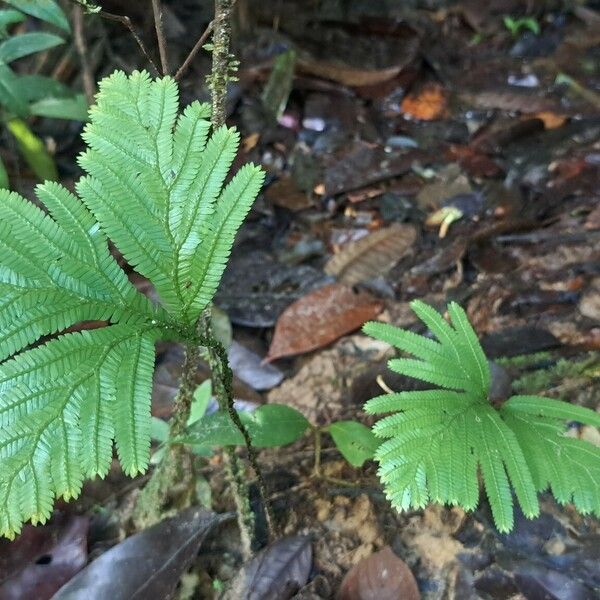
x: 372, y: 255
x: 363, y: 164
x: 43, y: 559
x: 146, y: 565
x: 275, y: 573
x: 320, y: 318
x: 510, y: 100
x: 428, y: 104
x: 381, y: 576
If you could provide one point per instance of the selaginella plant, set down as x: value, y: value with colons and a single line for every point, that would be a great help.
x: 154, y: 185
x: 438, y: 441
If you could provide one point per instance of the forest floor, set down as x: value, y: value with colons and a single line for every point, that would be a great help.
x: 471, y: 154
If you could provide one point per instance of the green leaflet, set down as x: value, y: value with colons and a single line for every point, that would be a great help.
x: 153, y: 185
x: 436, y: 441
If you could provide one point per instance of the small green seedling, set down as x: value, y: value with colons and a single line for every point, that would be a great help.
x: 517, y: 24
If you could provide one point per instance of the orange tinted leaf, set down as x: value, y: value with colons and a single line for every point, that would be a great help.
x: 428, y: 104
x: 550, y: 119
x: 320, y: 318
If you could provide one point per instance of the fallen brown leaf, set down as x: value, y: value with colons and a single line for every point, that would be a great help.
x: 381, y: 576
x: 509, y: 100
x: 372, y: 255
x: 352, y: 77
x: 320, y: 318
x: 363, y: 164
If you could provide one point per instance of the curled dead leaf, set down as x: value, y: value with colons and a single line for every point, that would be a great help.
x: 320, y: 318
x: 372, y: 255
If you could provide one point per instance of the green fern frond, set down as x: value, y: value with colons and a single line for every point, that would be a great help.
x: 154, y: 185
x: 438, y: 441
x: 41, y: 396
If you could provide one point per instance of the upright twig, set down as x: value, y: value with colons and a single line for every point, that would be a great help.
x: 220, y: 59
x: 217, y: 356
x: 201, y: 41
x: 160, y: 36
x: 89, y: 85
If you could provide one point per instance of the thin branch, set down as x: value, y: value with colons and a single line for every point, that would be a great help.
x: 80, y: 44
x: 126, y: 22
x: 160, y: 36
x: 190, y: 57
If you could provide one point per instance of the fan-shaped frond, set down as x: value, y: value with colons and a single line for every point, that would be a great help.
x: 158, y: 191
x: 438, y: 441
x: 42, y: 395
x: 154, y: 185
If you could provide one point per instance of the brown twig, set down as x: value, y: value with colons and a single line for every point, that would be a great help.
x: 126, y: 22
x: 190, y: 57
x: 160, y: 36
x: 89, y: 86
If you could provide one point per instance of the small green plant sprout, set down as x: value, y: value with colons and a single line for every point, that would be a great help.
x: 269, y: 426
x: 154, y: 185
x: 22, y: 96
x: 438, y: 441
x: 516, y: 24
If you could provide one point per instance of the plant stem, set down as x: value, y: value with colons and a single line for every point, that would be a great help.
x: 87, y: 77
x: 219, y: 363
x: 220, y: 59
x: 126, y: 22
x: 217, y: 355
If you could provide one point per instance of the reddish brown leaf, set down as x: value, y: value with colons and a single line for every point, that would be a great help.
x: 43, y: 559
x: 381, y: 576
x: 372, y: 255
x: 353, y: 57
x: 475, y: 162
x: 428, y: 104
x: 320, y: 318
